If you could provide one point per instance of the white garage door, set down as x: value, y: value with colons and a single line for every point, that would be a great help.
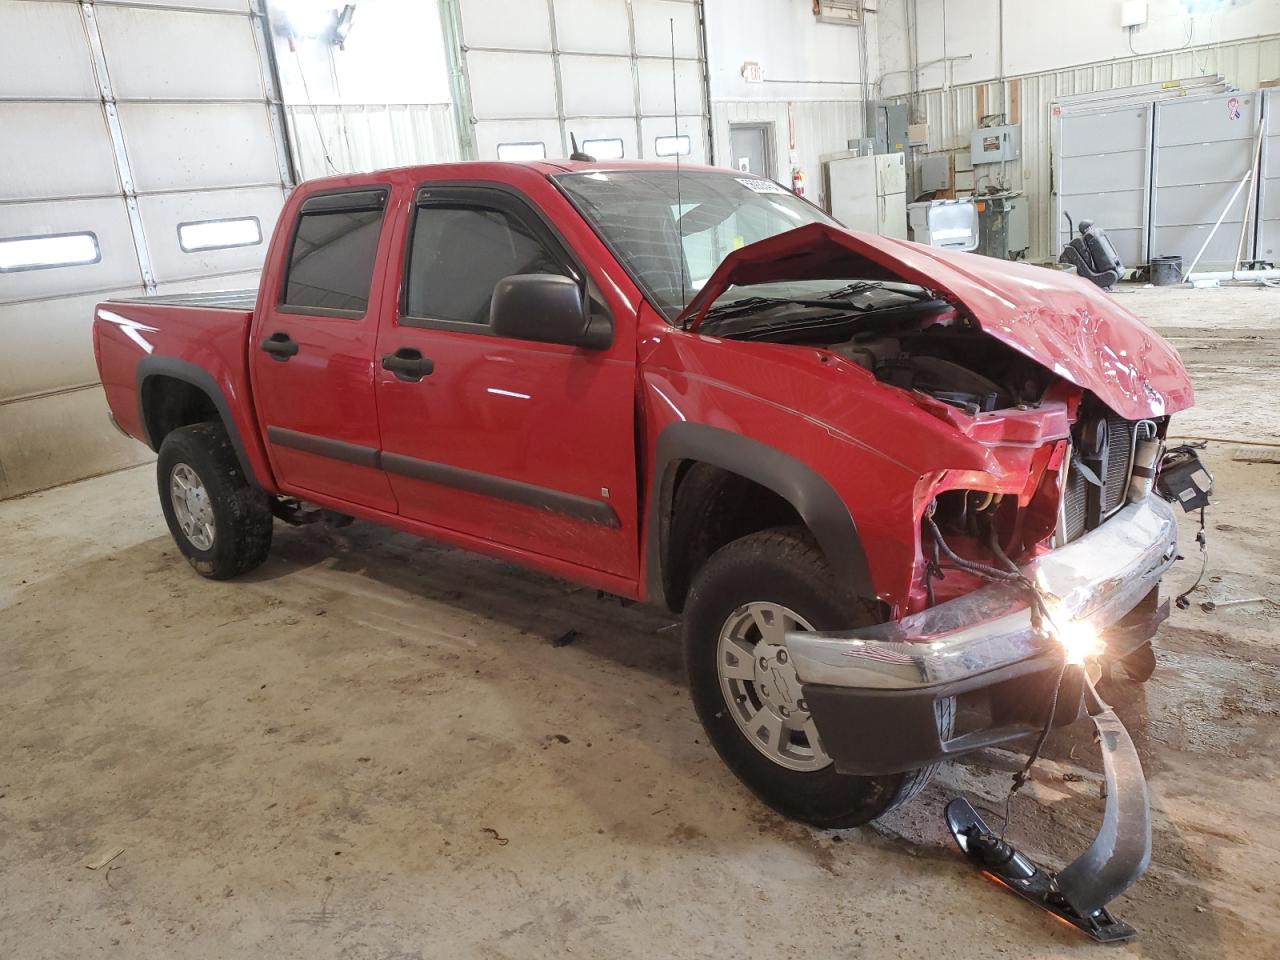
x: 536, y: 71
x: 141, y: 151
x: 1204, y: 147
x: 1104, y: 174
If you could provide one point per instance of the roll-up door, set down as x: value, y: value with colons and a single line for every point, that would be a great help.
x: 142, y: 150
x: 534, y: 73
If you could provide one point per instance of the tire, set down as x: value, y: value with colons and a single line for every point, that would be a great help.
x: 221, y: 523
x: 785, y: 568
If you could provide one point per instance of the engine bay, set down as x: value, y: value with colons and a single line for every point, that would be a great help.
x: 908, y: 339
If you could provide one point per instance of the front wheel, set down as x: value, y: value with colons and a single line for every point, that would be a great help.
x: 218, y: 519
x: 745, y: 689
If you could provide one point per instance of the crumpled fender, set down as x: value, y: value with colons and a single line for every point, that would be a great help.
x: 881, y: 449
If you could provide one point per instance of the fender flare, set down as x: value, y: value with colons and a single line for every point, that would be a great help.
x: 201, y: 379
x: 813, y: 498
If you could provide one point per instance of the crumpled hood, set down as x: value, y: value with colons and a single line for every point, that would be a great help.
x: 1062, y: 321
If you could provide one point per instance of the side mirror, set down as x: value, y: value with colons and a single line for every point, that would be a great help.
x: 548, y: 308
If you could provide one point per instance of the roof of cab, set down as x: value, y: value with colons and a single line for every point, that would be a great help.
x: 494, y: 169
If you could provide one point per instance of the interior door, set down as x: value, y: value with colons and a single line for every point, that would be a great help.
x: 313, y: 355
x: 750, y: 148
x: 526, y: 444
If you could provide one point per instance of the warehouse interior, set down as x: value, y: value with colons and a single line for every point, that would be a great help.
x: 377, y: 745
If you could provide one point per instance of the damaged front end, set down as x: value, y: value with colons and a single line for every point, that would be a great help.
x: 1039, y: 542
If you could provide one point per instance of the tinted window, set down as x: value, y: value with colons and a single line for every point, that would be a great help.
x: 331, y: 264
x: 461, y: 252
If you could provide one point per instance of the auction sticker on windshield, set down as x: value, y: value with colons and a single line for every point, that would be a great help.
x: 761, y: 186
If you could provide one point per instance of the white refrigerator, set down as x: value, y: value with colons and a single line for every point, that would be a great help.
x: 868, y: 193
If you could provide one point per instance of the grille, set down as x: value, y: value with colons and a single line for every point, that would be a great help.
x: 1075, y: 505
x: 1120, y: 447
x: 1076, y: 491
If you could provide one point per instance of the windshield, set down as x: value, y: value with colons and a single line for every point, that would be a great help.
x: 672, y: 247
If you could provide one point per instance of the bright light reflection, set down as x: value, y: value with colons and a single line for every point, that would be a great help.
x: 1079, y: 640
x: 517, y: 152
x: 212, y: 234
x: 130, y: 328
x: 606, y: 149
x: 672, y: 146
x: 63, y: 251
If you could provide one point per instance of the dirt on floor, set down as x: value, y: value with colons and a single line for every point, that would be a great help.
x: 374, y: 747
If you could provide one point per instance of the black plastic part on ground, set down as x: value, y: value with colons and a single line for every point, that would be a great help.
x: 1015, y: 871
x: 1117, y: 857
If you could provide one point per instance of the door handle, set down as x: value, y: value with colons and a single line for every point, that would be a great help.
x: 408, y: 364
x: 280, y: 345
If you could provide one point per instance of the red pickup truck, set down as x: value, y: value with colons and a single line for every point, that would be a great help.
x: 692, y: 389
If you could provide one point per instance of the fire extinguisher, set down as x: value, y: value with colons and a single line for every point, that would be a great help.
x: 797, y: 181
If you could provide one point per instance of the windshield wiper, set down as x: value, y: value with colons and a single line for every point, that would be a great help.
x: 861, y: 286
x: 838, y: 299
x: 749, y: 305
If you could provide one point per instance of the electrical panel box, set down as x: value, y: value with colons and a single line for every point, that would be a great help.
x: 935, y: 172
x: 891, y: 127
x: 996, y: 144
x: 918, y: 134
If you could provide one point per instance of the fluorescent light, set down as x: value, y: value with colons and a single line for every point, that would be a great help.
x: 671, y: 146
x: 522, y: 151
x: 54, y: 250
x: 608, y: 149
x: 218, y: 234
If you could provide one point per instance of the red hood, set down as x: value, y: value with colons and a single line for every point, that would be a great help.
x: 1063, y: 322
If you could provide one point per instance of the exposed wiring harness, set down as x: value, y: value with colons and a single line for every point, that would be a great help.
x: 1040, y: 613
x: 1182, y: 600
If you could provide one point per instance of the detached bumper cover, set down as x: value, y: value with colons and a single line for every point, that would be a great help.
x: 876, y: 693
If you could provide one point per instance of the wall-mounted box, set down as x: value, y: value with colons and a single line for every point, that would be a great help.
x: 891, y: 126
x: 996, y: 144
x: 917, y: 134
x: 1133, y: 13
x: 935, y: 172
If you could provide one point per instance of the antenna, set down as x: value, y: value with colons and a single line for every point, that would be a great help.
x: 578, y: 154
x: 675, y: 122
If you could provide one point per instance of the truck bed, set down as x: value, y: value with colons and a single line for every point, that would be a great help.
x: 227, y: 299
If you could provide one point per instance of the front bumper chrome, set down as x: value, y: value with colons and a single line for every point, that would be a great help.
x: 876, y: 692
x: 1099, y: 578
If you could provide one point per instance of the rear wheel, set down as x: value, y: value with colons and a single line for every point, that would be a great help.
x: 745, y: 689
x: 218, y: 519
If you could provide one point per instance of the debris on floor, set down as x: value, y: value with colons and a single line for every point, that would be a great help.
x: 566, y: 638
x: 101, y: 861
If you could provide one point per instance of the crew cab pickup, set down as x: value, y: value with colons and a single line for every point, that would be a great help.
x: 691, y: 388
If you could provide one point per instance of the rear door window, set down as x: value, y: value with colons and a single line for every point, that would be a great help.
x: 335, y: 244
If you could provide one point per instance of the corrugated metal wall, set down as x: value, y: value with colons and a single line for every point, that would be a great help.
x: 952, y: 114
x: 821, y: 127
x: 334, y: 138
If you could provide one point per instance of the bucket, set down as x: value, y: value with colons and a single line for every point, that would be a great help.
x: 1166, y: 271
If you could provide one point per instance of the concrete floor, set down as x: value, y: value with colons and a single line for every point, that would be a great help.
x: 370, y: 748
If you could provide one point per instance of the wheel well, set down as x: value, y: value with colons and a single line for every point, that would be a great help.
x: 169, y: 403
x: 712, y: 506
